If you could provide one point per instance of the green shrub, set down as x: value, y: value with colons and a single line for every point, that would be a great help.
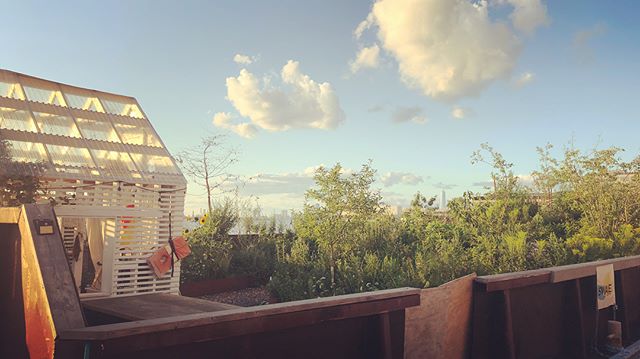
x: 257, y: 259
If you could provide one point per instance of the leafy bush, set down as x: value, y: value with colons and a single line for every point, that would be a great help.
x: 584, y: 207
x: 210, y: 258
x: 257, y: 259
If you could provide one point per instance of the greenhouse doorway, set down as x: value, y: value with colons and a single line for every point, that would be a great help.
x: 84, y: 243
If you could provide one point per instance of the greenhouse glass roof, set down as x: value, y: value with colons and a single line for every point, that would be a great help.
x: 80, y: 133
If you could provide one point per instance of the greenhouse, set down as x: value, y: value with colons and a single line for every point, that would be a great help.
x: 116, y: 189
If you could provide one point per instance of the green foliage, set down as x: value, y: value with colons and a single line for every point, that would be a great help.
x: 582, y: 207
x: 336, y: 212
x: 256, y: 259
x: 210, y: 245
x: 216, y: 254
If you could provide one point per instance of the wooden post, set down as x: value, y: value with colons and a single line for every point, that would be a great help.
x: 509, y: 337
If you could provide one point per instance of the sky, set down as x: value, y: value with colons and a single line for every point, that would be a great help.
x: 415, y: 86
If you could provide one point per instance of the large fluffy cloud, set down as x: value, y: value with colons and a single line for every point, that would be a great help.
x: 296, y: 102
x: 452, y: 48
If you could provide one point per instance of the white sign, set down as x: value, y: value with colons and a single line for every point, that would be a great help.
x: 606, y: 286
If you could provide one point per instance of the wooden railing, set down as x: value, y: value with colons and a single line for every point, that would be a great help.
x: 551, y: 312
x: 43, y: 317
x: 366, y: 325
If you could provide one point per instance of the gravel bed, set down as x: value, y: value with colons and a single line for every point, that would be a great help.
x: 247, y: 297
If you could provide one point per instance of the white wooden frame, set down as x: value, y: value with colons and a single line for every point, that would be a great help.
x: 145, y: 198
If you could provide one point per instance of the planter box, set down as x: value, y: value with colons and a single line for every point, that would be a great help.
x: 213, y: 286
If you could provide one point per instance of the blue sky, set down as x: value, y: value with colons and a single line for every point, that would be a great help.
x: 582, y: 59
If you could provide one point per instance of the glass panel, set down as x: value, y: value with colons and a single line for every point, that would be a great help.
x: 114, y: 161
x: 45, y: 96
x: 28, y: 152
x: 56, y: 124
x: 97, y: 130
x: 18, y: 120
x: 151, y: 163
x: 70, y: 156
x: 84, y: 102
x: 137, y: 135
x: 11, y: 90
x: 122, y: 109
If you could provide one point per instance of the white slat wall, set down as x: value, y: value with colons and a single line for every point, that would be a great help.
x: 129, y: 239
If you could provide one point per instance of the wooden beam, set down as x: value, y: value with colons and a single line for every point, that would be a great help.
x: 115, y: 340
x: 508, y: 326
x: 51, y: 302
x: 506, y: 281
x: 385, y: 336
x: 208, y: 326
x: 574, y: 271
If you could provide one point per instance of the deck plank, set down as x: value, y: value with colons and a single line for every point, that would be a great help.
x: 153, y: 306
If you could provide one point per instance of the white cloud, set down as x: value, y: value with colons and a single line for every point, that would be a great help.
x: 368, y: 57
x: 244, y: 59
x: 528, y: 15
x: 297, y: 102
x: 524, y: 79
x: 393, y: 178
x: 406, y: 114
x: 265, y: 183
x: 225, y: 120
x: 459, y: 113
x: 451, y: 48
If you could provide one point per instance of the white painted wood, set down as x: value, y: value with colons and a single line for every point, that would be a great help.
x: 135, y: 204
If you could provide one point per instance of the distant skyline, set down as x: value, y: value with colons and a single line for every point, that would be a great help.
x: 415, y: 86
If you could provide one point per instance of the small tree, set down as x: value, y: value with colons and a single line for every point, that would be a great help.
x: 504, y: 181
x: 337, y: 210
x: 207, y: 164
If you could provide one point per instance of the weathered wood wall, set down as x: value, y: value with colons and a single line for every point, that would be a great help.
x: 440, y: 326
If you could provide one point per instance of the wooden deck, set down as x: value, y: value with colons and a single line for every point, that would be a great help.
x: 152, y: 306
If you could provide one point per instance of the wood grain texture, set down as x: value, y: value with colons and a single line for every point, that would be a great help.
x: 574, y: 271
x: 505, y: 281
x: 56, y: 275
x: 152, y: 306
x: 50, y: 299
x: 440, y: 326
x: 254, y: 319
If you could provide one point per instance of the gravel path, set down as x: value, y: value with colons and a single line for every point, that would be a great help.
x: 247, y: 297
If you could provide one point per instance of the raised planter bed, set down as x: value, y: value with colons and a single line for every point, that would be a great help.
x: 214, y: 286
